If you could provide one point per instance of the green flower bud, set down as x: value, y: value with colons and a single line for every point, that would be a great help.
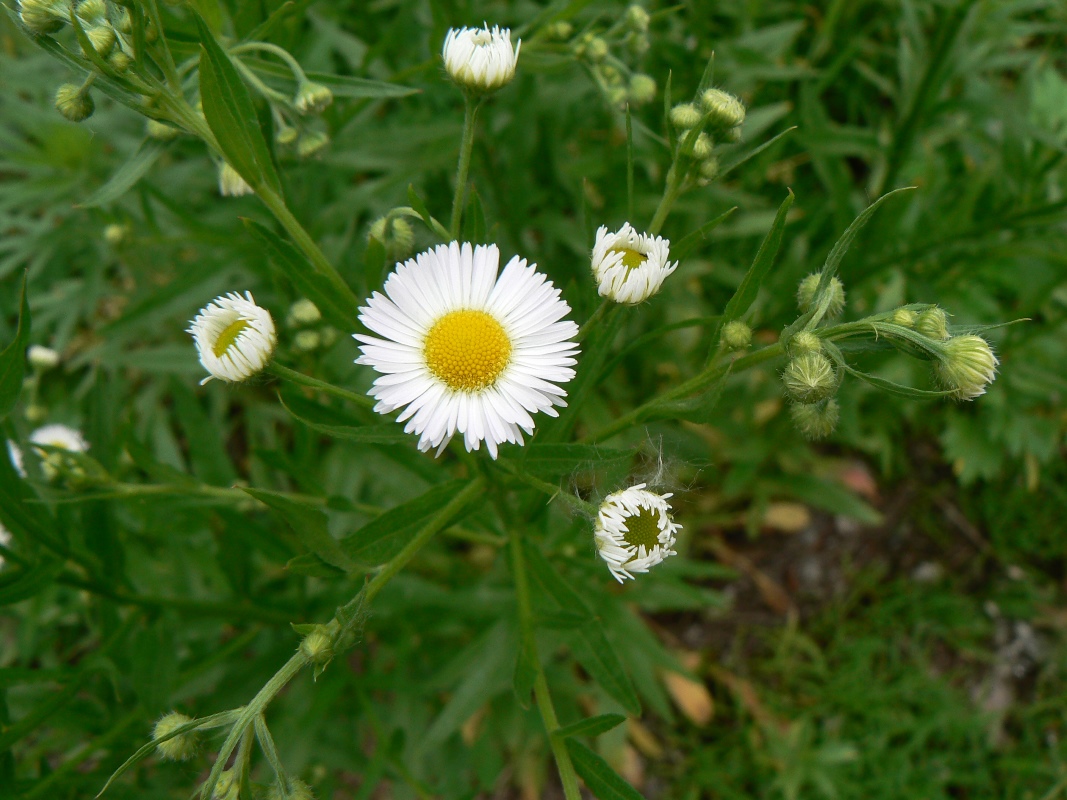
x: 119, y: 61
x: 160, y: 130
x: 736, y: 335
x: 809, y: 378
x: 36, y: 413
x: 725, y: 109
x: 303, y: 312
x: 617, y: 96
x: 815, y: 420
x: 596, y: 49
x: 286, y: 135
x: 966, y: 366
x: 102, y: 38
x: 637, y: 18
x: 329, y: 336
x: 297, y: 790
x: 559, y: 30
x: 805, y: 342
x: 178, y: 748
x: 74, y: 102
x: 685, y: 115
x: 116, y: 234
x: 395, y: 234
x: 317, y: 646
x: 311, y: 143
x: 702, y: 147
x: 306, y: 341
x: 709, y: 168
x: 227, y: 787
x: 124, y: 22
x: 933, y: 324
x: 611, y: 75
x: 642, y: 89
x: 311, y: 98
x: 91, y: 12
x: 806, y: 295
x: 42, y: 16
x: 904, y: 317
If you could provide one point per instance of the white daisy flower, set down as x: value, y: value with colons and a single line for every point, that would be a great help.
x: 634, y: 531
x: 231, y: 184
x: 234, y: 336
x: 62, y: 437
x: 479, y: 58
x: 630, y: 267
x: 466, y: 351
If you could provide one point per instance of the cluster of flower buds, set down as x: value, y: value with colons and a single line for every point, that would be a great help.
x: 715, y: 116
x: 621, y: 83
x: 395, y: 234
x: 310, y: 333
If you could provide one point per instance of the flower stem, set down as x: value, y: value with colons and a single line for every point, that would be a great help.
x: 470, y: 113
x: 567, y: 775
x: 594, y: 318
x: 675, y: 178
x: 314, y: 383
x: 691, y: 386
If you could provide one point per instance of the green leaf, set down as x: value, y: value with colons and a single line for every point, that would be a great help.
x: 340, y: 85
x: 28, y: 582
x: 383, y: 537
x: 602, y: 780
x: 231, y: 115
x: 310, y: 283
x: 731, y: 164
x: 127, y: 175
x: 689, y: 243
x: 310, y: 526
x: 522, y: 680
x: 383, y: 433
x: 549, y: 458
x: 591, y: 726
x: 13, y: 358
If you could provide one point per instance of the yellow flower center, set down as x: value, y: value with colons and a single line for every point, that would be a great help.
x: 467, y: 350
x: 631, y: 259
x: 643, y: 529
x: 228, y: 336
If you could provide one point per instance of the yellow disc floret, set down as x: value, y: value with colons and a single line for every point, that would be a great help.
x: 643, y: 529
x: 468, y: 350
x: 228, y: 336
x: 631, y: 259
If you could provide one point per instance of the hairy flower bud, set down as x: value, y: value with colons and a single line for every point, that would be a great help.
x: 116, y: 234
x: 967, y: 366
x: 311, y: 143
x: 685, y: 116
x: 709, y: 168
x: 642, y: 89
x: 286, y: 135
x: 596, y: 49
x: 809, y: 378
x: 396, y: 236
x: 702, y: 147
x: 102, y: 38
x: 317, y: 646
x: 904, y: 317
x: 805, y: 342
x: 296, y: 789
x: 303, y: 312
x: 736, y: 335
x: 815, y: 420
x: 311, y: 98
x: 74, y: 102
x: 810, y: 285
x: 42, y: 16
x: 933, y: 324
x: 160, y: 130
x: 91, y: 12
x: 559, y: 30
x: 726, y: 110
x: 227, y: 787
x: 306, y: 341
x: 637, y: 18
x: 119, y: 61
x: 177, y: 748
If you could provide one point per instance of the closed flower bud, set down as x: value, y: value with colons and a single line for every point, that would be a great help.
x: 74, y: 102
x: 966, y: 366
x: 311, y: 98
x: 815, y: 420
x: 115, y: 234
x: 231, y: 184
x: 642, y: 89
x: 286, y: 135
x: 806, y: 295
x: 479, y: 59
x: 303, y: 312
x: 306, y: 341
x: 596, y: 49
x: 559, y: 30
x: 160, y: 130
x: 42, y: 358
x: 685, y: 116
x: 726, y: 110
x: 119, y: 61
x: 904, y: 317
x: 702, y: 147
x: 92, y: 12
x: 311, y: 143
x: 227, y: 787
x: 297, y: 790
x: 177, y: 748
x: 637, y: 18
x: 124, y: 22
x: 709, y: 168
x: 805, y: 342
x: 736, y: 335
x: 617, y: 96
x: 395, y: 235
x: 809, y: 378
x: 933, y: 324
x: 102, y: 38
x: 317, y: 646
x: 43, y: 16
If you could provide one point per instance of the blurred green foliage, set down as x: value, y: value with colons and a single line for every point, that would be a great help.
x: 185, y: 601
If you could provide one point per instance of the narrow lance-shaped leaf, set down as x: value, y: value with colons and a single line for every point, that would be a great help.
x: 13, y: 358
x: 231, y: 115
x: 598, y: 775
x: 127, y: 175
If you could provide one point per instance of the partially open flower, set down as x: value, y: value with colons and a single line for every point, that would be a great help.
x: 231, y: 184
x: 967, y: 366
x: 234, y: 336
x: 311, y: 98
x: 635, y: 531
x: 630, y: 267
x: 480, y: 59
x: 62, y: 437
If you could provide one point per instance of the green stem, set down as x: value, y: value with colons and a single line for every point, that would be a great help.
x: 282, y: 53
x: 260, y: 86
x: 675, y: 178
x: 594, y: 318
x: 691, y: 386
x: 470, y: 113
x: 554, y: 492
x: 314, y: 383
x: 567, y: 775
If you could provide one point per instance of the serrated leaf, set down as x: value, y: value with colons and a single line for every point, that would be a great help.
x: 310, y: 526
x: 231, y: 115
x: 591, y: 726
x: 13, y: 358
x: 127, y: 175
x: 598, y: 775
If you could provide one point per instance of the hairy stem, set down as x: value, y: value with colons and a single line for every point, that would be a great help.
x: 470, y: 114
x: 314, y: 383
